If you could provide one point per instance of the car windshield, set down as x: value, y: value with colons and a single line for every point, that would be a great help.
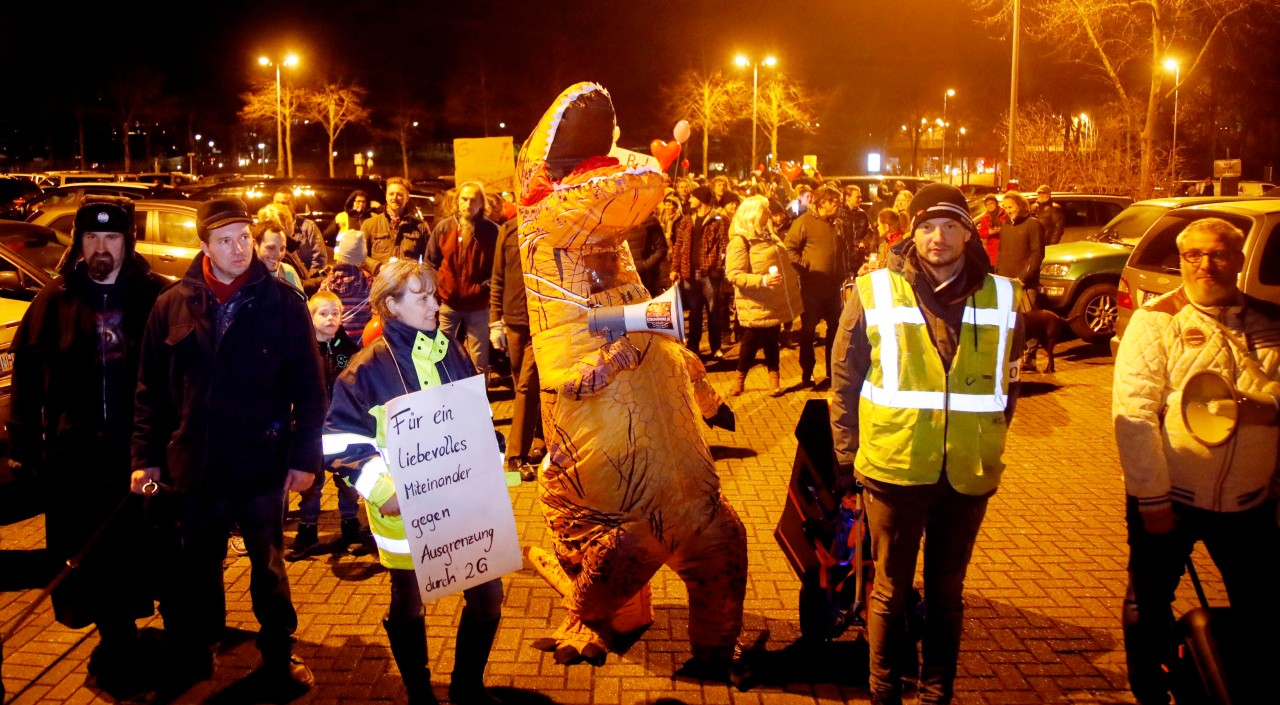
x: 1128, y: 227
x: 41, y: 250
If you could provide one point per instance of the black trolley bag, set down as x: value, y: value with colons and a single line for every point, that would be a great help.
x: 1218, y: 661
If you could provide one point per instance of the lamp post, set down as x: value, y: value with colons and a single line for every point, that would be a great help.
x: 950, y: 92
x: 755, y: 96
x: 290, y: 60
x: 1171, y: 64
x: 964, y: 159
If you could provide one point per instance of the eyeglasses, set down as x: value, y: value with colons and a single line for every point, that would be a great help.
x: 1217, y: 257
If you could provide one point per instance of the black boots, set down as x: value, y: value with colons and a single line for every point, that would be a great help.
x: 475, y: 640
x: 408, y: 638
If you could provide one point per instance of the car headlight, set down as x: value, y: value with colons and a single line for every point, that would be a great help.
x: 1055, y: 270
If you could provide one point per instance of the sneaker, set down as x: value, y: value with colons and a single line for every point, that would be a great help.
x: 806, y: 381
x: 237, y: 545
x: 352, y: 531
x: 307, y: 539
x: 717, y: 355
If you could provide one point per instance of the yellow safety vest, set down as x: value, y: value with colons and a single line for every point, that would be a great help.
x: 374, y: 483
x: 914, y: 416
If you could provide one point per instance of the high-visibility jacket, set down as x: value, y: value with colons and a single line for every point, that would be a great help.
x: 353, y: 444
x: 917, y: 418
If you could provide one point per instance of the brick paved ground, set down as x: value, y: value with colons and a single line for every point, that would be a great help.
x: 1042, y: 601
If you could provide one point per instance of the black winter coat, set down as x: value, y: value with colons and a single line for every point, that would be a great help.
x: 70, y: 416
x: 229, y: 417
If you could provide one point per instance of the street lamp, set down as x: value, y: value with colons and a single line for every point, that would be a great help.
x: 1171, y: 64
x: 755, y: 95
x: 949, y: 93
x: 290, y: 60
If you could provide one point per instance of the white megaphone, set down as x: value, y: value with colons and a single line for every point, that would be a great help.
x: 661, y: 315
x: 1213, y: 409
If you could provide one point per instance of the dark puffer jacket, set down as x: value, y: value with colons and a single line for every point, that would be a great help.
x: 229, y: 416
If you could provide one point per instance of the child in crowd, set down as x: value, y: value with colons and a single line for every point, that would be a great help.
x: 351, y: 281
x: 336, y: 350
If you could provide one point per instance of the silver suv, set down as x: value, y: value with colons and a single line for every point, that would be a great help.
x: 1153, y: 267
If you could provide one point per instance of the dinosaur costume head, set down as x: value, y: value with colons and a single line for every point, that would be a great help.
x: 572, y: 193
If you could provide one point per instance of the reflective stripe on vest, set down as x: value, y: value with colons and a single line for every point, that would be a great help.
x: 917, y: 417
x: 886, y: 315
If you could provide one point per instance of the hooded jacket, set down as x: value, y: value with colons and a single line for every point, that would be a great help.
x: 228, y: 415
x: 464, y: 268
x: 747, y: 265
x: 942, y: 312
x: 349, y: 218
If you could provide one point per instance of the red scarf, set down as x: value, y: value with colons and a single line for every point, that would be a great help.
x: 223, y: 292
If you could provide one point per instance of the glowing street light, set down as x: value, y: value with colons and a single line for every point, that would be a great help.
x: 1171, y: 64
x: 755, y: 95
x: 290, y: 60
x: 949, y: 93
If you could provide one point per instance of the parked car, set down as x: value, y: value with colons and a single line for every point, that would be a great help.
x: 73, y: 194
x: 52, y: 179
x: 1153, y: 267
x: 317, y: 199
x: 14, y: 192
x: 1079, y: 280
x: 167, y: 178
x: 29, y: 256
x: 871, y: 184
x: 166, y: 232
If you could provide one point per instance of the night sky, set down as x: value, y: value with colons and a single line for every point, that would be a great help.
x: 875, y: 64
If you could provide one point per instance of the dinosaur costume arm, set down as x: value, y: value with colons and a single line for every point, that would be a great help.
x: 598, y: 368
x: 707, y: 398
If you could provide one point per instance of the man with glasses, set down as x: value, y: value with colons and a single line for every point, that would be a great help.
x: 1179, y: 489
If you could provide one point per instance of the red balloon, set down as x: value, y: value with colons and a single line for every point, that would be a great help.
x: 684, y: 164
x: 792, y: 171
x: 665, y: 152
x: 372, y: 331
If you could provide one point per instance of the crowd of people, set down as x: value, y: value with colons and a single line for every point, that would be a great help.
x: 266, y: 367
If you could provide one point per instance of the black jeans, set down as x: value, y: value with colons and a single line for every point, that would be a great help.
x: 1246, y: 548
x: 196, y: 613
x: 483, y: 602
x: 754, y: 339
x: 824, y: 306
x: 526, y: 421
x: 899, y: 516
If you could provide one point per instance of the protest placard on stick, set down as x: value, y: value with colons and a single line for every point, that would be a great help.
x: 445, y: 461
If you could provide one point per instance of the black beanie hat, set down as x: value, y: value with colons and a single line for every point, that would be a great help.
x: 704, y: 195
x: 940, y: 201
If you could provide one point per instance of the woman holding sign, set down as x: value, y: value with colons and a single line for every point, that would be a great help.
x: 411, y: 355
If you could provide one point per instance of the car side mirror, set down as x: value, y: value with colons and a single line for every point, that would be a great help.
x: 10, y: 281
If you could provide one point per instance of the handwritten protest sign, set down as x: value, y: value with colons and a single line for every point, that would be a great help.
x: 445, y: 461
x: 629, y: 158
x: 489, y: 160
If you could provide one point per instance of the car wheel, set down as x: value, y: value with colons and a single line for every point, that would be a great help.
x: 1093, y: 317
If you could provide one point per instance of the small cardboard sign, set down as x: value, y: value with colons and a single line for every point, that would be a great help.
x: 445, y: 461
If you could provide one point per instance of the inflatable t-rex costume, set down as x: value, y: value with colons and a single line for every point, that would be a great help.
x: 628, y: 484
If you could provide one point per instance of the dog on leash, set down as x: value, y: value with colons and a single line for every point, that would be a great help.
x: 1046, y: 328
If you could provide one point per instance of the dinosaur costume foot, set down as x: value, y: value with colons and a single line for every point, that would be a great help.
x: 575, y: 642
x: 732, y: 669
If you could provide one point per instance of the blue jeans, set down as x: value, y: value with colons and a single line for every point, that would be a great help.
x: 475, y: 325
x: 309, y: 506
x: 698, y: 293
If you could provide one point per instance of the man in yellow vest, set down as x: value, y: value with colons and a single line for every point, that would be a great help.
x: 924, y: 382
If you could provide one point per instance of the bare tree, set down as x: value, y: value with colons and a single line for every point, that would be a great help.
x: 710, y: 102
x: 334, y: 107
x: 134, y: 96
x: 260, y: 107
x: 1124, y: 39
x: 784, y: 101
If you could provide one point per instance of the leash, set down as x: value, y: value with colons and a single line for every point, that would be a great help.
x: 149, y: 490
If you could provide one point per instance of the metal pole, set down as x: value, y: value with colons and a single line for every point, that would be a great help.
x: 279, y: 127
x: 944, y: 137
x: 1013, y: 84
x: 1173, y: 154
x: 755, y: 93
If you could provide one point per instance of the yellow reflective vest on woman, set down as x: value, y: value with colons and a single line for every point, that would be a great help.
x: 917, y: 417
